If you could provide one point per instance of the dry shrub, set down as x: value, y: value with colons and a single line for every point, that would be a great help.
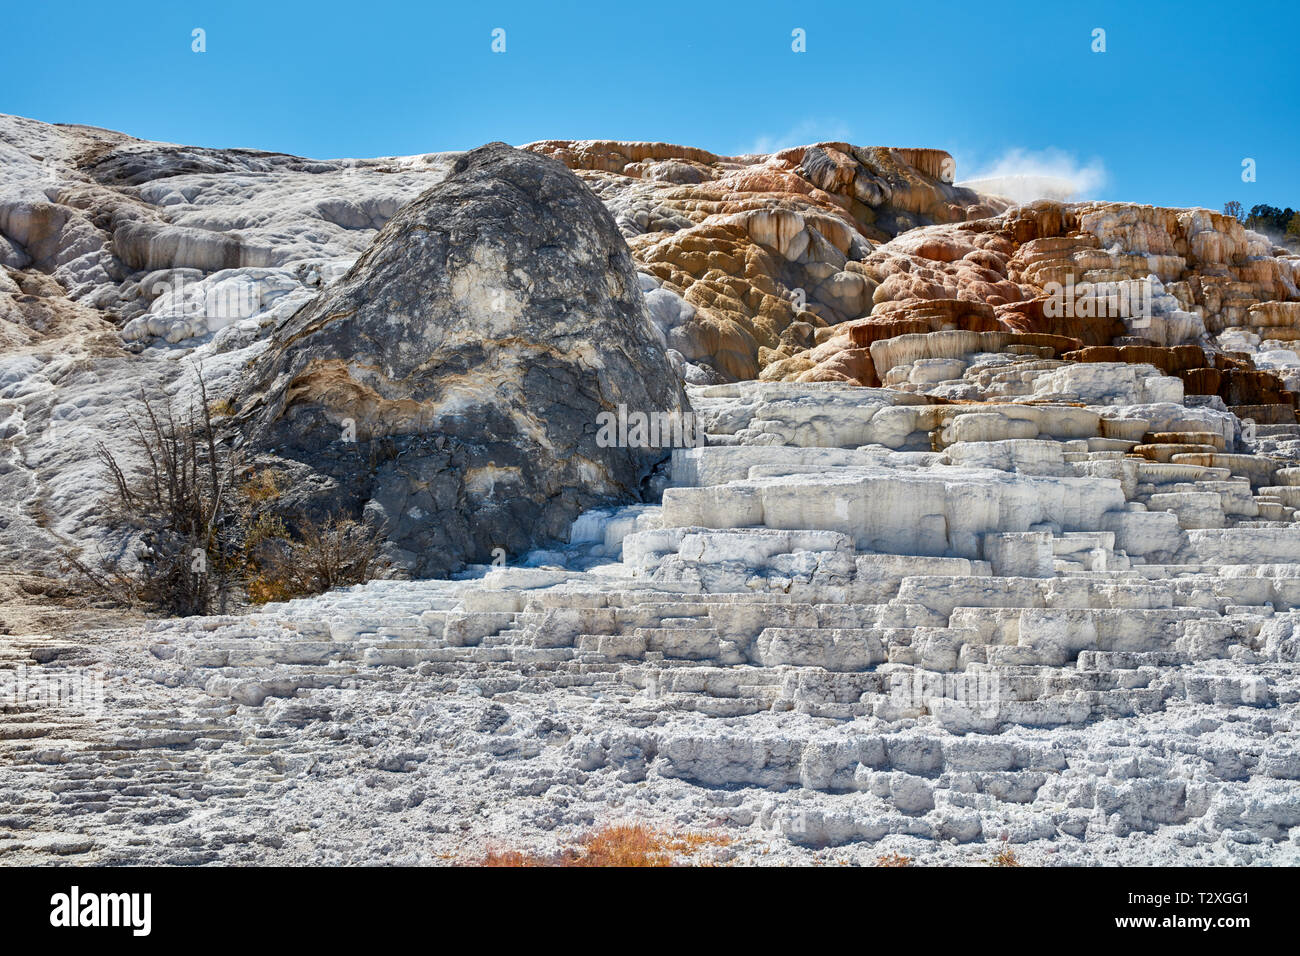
x: 511, y: 858
x: 632, y: 845
x: 894, y: 859
x: 223, y: 408
x: 265, y: 538
x: 202, y: 535
x: 1006, y: 857
x: 617, y: 845
x: 178, y: 501
x: 260, y: 486
x: 327, y: 554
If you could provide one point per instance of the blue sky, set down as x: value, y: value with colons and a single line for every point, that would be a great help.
x: 1184, y: 92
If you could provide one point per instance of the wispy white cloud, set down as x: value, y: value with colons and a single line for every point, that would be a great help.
x: 808, y: 131
x: 1025, y: 175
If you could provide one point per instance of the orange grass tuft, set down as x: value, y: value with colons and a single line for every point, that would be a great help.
x: 510, y: 858
x: 617, y: 845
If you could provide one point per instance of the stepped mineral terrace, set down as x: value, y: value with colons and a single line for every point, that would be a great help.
x: 954, y: 570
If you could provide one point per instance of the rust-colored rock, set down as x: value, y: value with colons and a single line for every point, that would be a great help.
x: 771, y: 265
x: 754, y: 244
x: 948, y: 276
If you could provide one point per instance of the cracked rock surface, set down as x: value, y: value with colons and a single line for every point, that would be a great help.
x: 950, y: 572
x: 792, y: 680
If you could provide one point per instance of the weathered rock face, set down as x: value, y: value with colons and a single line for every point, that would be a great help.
x: 1186, y: 290
x: 826, y: 262
x: 451, y: 384
x: 182, y: 257
x: 750, y: 255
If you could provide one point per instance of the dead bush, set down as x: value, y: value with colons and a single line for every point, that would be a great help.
x: 204, y: 537
x: 324, y: 555
x: 620, y: 845
x: 175, y: 496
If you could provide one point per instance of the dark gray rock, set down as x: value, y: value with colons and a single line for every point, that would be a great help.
x: 469, y: 352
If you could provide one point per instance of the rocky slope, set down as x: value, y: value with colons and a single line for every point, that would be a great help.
x: 481, y: 336
x: 131, y: 265
x: 990, y: 540
x: 825, y: 644
x: 748, y: 256
x: 1202, y: 280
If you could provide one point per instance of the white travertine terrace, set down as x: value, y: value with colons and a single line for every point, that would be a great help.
x: 841, y: 633
x: 1010, y: 599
